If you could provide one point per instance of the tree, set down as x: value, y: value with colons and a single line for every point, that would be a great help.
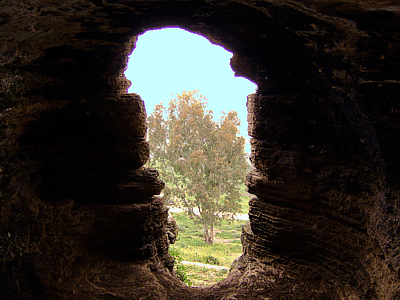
x: 201, y: 160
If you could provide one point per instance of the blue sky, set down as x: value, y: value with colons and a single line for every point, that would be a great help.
x: 171, y: 60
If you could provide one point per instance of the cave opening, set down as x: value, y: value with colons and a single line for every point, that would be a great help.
x: 81, y: 218
x: 172, y: 61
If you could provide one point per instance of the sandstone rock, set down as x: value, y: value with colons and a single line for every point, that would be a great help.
x: 80, y: 218
x: 172, y: 229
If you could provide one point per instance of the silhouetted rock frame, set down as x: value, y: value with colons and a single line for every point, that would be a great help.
x: 80, y: 215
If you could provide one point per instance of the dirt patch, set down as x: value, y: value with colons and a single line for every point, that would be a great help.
x: 225, y: 241
x: 204, y: 265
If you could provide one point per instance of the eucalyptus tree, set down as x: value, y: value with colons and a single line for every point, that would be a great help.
x: 202, y: 161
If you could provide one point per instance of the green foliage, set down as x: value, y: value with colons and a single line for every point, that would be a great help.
x: 181, y: 273
x: 209, y: 259
x: 176, y: 254
x: 201, y: 160
x: 180, y: 269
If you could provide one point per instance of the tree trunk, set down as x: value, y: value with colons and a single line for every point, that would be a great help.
x: 212, y: 234
x: 207, y: 237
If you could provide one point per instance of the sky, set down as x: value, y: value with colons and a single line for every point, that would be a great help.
x: 173, y: 60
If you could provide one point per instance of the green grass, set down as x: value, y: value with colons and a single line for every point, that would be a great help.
x: 200, y: 276
x: 229, y: 234
x: 190, y: 246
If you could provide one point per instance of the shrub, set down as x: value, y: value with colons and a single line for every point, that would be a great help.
x: 181, y: 274
x: 209, y: 259
x: 180, y: 269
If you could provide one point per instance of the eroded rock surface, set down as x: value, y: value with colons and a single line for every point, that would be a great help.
x: 80, y: 215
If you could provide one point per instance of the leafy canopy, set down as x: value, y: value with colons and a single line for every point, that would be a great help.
x: 201, y: 160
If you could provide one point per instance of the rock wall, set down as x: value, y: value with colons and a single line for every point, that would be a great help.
x: 80, y: 215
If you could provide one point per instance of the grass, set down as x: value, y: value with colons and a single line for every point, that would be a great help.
x: 190, y: 246
x: 200, y: 276
x: 229, y: 234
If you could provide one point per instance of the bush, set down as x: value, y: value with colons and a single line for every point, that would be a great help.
x: 176, y: 254
x: 179, y: 268
x: 209, y: 259
x: 181, y: 274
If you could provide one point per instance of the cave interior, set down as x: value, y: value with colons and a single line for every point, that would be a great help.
x: 82, y: 217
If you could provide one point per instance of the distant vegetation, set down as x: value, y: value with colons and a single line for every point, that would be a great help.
x: 202, y: 161
x: 203, y: 164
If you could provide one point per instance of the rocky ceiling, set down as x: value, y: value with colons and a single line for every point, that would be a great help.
x: 80, y: 215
